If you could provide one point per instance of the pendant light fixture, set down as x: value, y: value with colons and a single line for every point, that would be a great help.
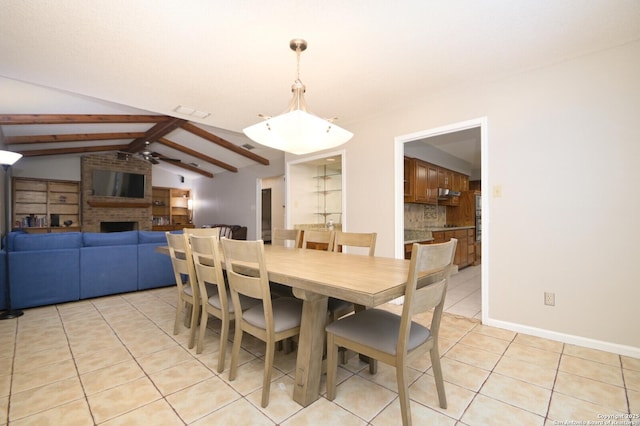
x: 297, y: 131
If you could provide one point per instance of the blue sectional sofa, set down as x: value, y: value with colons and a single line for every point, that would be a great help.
x: 45, y: 269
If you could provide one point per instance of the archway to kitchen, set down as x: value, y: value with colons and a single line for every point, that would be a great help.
x: 460, y: 147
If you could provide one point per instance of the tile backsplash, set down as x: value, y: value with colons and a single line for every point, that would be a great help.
x: 423, y: 216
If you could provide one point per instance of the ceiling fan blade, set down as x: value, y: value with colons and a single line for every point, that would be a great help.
x: 162, y: 157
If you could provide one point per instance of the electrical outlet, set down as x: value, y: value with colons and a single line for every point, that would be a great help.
x: 550, y: 299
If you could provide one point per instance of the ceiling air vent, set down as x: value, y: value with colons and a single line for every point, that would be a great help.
x: 248, y: 146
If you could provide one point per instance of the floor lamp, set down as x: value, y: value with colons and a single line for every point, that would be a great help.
x: 7, y: 159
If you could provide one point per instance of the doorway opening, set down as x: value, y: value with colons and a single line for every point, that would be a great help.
x: 460, y: 147
x: 266, y: 215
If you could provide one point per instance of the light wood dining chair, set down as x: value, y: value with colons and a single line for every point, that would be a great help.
x: 272, y: 320
x: 184, y: 273
x: 318, y: 239
x: 207, y: 260
x: 396, y: 339
x: 355, y: 239
x: 282, y: 236
x: 202, y: 232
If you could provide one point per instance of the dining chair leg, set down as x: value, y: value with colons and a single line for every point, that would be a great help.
x: 193, y: 326
x: 204, y: 318
x: 224, y: 336
x: 403, y: 394
x: 437, y: 374
x: 176, y: 325
x: 332, y: 367
x: 235, y: 352
x: 268, y: 366
x: 188, y: 312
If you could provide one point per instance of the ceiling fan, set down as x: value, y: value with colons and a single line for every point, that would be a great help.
x: 151, y: 157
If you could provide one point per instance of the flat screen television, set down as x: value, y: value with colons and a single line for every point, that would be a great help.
x: 118, y: 184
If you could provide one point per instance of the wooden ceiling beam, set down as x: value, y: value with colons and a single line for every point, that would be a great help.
x: 156, y: 132
x: 184, y: 166
x: 224, y: 143
x: 193, y: 153
x: 9, y: 119
x: 78, y: 150
x: 80, y: 137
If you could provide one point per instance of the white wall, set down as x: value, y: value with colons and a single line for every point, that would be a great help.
x: 563, y: 144
x: 231, y: 198
x: 563, y: 147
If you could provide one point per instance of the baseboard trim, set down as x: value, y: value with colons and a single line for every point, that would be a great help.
x: 567, y: 338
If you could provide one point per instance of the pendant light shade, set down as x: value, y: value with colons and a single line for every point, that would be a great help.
x: 7, y: 158
x: 298, y: 131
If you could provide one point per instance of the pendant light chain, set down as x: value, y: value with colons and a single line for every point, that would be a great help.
x: 298, y: 52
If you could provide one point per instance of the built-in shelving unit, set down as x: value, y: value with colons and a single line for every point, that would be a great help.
x: 171, y: 208
x: 329, y: 193
x: 41, y: 206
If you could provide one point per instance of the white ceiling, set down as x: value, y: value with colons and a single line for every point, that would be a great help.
x: 232, y: 59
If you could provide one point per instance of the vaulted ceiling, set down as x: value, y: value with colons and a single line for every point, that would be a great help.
x: 204, y: 70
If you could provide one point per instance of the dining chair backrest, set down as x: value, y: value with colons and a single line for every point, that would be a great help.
x: 318, y: 239
x: 181, y: 262
x: 286, y: 237
x: 246, y: 269
x: 202, y: 232
x: 429, y: 274
x: 355, y: 239
x: 207, y: 262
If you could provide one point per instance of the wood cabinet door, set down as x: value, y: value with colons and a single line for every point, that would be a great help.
x: 409, y: 180
x: 420, y: 182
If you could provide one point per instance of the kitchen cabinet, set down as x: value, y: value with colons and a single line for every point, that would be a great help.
x: 170, y: 209
x: 421, y: 182
x: 42, y: 206
x: 465, y: 250
x: 409, y: 180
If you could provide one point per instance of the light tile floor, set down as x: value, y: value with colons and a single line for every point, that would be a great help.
x: 463, y: 294
x: 115, y: 361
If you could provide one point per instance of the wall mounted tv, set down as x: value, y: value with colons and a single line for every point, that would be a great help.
x: 118, y: 184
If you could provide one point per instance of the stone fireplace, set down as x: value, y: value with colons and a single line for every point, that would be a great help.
x: 113, y: 214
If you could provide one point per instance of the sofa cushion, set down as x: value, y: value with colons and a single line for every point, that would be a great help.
x: 147, y: 237
x: 97, y: 239
x: 54, y: 241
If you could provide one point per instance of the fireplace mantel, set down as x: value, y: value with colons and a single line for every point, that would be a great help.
x: 118, y: 204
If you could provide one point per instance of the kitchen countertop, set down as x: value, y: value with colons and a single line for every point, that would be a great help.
x: 425, y: 235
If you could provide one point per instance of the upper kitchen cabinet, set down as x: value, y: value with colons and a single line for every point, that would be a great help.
x: 421, y: 182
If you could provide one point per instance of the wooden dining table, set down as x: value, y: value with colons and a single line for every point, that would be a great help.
x: 316, y: 275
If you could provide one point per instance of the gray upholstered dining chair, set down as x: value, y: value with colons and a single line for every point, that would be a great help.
x: 395, y: 339
x: 365, y: 240
x: 188, y: 297
x: 282, y: 236
x: 272, y: 320
x: 318, y: 239
x: 207, y: 260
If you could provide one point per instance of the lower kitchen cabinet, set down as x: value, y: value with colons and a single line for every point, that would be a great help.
x: 466, y: 248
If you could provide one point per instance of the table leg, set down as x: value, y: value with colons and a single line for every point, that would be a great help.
x: 310, y: 347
